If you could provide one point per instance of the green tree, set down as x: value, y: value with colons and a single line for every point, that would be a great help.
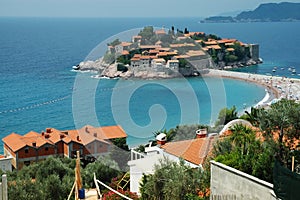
x: 103, y: 172
x: 172, y: 181
x: 239, y: 51
x: 226, y: 115
x: 242, y: 150
x: 147, y: 33
x: 282, y: 121
x: 114, y: 43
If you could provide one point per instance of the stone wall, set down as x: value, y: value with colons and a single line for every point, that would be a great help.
x: 229, y: 183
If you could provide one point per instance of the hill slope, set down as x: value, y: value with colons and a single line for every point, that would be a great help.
x: 272, y: 12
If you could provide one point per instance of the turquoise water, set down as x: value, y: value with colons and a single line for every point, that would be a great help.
x: 38, y: 91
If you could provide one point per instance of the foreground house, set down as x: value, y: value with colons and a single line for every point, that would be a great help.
x: 32, y: 147
x: 193, y: 152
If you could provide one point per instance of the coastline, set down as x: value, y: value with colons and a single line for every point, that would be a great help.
x: 277, y: 87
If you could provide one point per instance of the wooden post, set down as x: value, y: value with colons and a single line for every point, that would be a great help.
x: 293, y: 163
x: 4, y: 187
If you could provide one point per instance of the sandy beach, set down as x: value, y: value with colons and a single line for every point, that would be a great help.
x: 277, y: 87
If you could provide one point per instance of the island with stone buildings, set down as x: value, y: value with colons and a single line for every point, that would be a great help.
x: 162, y: 53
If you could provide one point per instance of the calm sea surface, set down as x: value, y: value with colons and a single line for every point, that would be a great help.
x: 39, y: 90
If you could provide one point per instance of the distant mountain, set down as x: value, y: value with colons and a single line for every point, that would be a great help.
x: 273, y: 12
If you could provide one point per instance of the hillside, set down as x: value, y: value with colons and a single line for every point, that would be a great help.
x: 270, y: 12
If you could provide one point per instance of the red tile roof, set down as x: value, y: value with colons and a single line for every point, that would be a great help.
x: 149, y: 46
x: 194, y: 151
x: 51, y: 136
x: 14, y: 142
x: 160, y: 32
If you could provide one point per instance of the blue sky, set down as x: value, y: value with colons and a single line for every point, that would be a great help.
x: 125, y: 8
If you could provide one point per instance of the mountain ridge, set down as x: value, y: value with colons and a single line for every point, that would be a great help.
x: 266, y: 12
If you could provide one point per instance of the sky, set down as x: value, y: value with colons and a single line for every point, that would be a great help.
x: 126, y: 8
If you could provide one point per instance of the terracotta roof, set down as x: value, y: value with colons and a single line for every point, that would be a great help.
x: 125, y: 52
x: 194, y: 151
x: 192, y: 53
x: 230, y: 49
x: 182, y: 45
x: 17, y: 142
x: 51, y: 136
x: 125, y: 44
x: 14, y: 142
x: 166, y: 53
x: 173, y: 61
x: 153, y: 51
x: 160, y: 32
x: 182, y: 56
x: 137, y: 55
x: 181, y: 38
x: 34, y: 137
x: 214, y: 47
x: 149, y: 46
x: 229, y: 44
x: 159, y: 60
x: 135, y: 59
x: 164, y: 49
x: 137, y: 37
x: 224, y: 40
x: 85, y: 135
x: 55, y: 135
x: 213, y: 42
x: 107, y: 132
x: 198, y: 41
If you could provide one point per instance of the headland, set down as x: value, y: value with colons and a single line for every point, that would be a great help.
x: 166, y: 53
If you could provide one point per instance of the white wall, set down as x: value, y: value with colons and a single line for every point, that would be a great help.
x: 229, y: 183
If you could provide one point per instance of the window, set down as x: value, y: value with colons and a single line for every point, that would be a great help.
x: 100, y: 145
x: 26, y: 150
x: 46, y: 148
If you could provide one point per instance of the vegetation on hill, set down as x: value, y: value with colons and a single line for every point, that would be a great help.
x: 54, y: 178
x: 273, y: 12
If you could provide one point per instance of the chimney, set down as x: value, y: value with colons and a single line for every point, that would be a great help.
x: 95, y: 134
x: 34, y: 144
x: 62, y: 136
x: 78, y: 139
x: 48, y: 130
x: 161, y: 139
x: 87, y: 129
x: 47, y: 136
x: 43, y: 133
x: 201, y: 133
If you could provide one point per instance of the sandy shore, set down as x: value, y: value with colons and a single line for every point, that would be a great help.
x: 277, y: 87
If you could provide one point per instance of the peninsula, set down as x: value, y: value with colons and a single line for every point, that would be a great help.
x: 165, y: 53
x: 267, y: 12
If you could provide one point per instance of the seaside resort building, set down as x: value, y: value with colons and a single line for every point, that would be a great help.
x: 33, y: 147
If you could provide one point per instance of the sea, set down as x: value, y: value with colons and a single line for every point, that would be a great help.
x: 39, y: 89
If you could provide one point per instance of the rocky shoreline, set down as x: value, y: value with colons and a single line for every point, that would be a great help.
x: 110, y: 70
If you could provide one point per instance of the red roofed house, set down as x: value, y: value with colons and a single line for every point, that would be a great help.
x: 33, y: 147
x: 193, y: 152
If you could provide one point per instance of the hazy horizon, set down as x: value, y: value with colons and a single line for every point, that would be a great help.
x: 120, y: 8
